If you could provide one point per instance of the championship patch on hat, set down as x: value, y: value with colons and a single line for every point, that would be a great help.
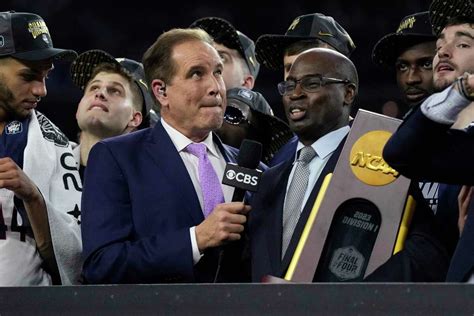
x: 25, y: 36
x: 225, y: 33
x: 441, y: 11
x: 83, y: 67
x: 270, y: 47
x: 413, y: 29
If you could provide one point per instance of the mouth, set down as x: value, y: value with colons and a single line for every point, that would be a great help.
x: 30, y: 104
x: 415, y: 94
x: 444, y: 67
x: 296, y: 113
x: 98, y: 106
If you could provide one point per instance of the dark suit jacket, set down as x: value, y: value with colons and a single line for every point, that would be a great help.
x: 138, y: 205
x: 422, y: 148
x: 414, y: 263
x: 286, y: 152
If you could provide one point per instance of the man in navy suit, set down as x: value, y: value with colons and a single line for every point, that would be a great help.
x: 146, y: 216
x: 436, y: 141
x: 317, y: 97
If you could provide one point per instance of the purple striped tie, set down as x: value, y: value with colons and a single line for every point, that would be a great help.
x: 210, y: 184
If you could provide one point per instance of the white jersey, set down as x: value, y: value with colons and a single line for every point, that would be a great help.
x: 20, y: 261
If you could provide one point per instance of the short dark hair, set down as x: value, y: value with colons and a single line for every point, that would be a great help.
x: 157, y: 60
x: 138, y: 103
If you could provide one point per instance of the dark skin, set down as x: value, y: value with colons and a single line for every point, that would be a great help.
x: 312, y: 115
x: 414, y: 68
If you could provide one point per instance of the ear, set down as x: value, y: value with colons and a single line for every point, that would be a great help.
x: 158, y: 86
x: 350, y: 93
x: 136, y: 119
x: 249, y: 82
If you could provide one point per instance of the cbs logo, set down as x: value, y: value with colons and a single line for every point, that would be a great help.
x: 241, y: 177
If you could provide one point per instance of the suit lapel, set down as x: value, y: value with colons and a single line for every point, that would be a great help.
x: 274, y: 229
x: 328, y: 168
x: 163, y: 152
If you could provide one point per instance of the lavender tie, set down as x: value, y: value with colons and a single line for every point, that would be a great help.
x: 210, y: 184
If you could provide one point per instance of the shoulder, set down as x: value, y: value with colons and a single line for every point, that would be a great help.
x: 50, y: 131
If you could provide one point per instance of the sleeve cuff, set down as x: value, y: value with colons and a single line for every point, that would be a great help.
x: 196, y: 254
x: 445, y: 106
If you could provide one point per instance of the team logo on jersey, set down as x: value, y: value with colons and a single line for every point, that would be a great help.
x: 14, y: 127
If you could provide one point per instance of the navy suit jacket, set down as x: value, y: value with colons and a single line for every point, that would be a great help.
x: 414, y: 263
x: 138, y: 205
x: 286, y: 152
x: 425, y: 149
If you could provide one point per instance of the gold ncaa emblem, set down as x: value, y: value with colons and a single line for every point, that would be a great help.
x: 366, y: 159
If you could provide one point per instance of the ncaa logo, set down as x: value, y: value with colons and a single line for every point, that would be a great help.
x: 230, y: 174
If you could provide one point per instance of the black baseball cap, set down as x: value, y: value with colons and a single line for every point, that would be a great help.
x: 270, y: 47
x: 441, y: 11
x: 83, y: 67
x: 25, y: 36
x: 279, y: 130
x: 225, y: 33
x: 413, y: 29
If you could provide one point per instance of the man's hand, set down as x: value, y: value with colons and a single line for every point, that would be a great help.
x: 14, y: 179
x: 225, y: 223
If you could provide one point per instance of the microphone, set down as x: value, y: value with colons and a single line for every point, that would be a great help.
x: 244, y: 176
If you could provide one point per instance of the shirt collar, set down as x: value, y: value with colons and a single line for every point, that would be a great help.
x: 327, y: 144
x: 181, y: 142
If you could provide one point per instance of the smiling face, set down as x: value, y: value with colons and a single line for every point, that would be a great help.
x: 107, y: 106
x: 455, y: 54
x: 414, y: 68
x: 193, y: 102
x: 312, y: 115
x: 22, y: 85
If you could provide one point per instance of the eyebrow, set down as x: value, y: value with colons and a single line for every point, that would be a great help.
x: 115, y: 83
x: 457, y: 34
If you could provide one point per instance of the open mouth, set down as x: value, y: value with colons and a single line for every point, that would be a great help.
x: 296, y: 113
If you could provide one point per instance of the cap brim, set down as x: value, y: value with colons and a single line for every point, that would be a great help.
x: 47, y: 53
x: 83, y: 66
x: 389, y: 47
x: 269, y: 48
x: 280, y: 134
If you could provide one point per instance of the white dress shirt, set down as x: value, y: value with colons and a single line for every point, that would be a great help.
x: 192, y: 163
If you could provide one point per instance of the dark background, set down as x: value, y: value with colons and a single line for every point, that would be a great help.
x: 127, y: 30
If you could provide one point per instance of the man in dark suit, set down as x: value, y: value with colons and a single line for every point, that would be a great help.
x: 436, y: 141
x: 317, y: 98
x: 153, y: 207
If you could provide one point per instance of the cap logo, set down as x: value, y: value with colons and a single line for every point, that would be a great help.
x: 245, y: 94
x: 325, y: 34
x: 294, y: 24
x: 2, y: 41
x: 406, y: 24
x: 37, y: 28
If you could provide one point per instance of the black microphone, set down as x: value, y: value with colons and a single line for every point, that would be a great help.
x: 244, y: 176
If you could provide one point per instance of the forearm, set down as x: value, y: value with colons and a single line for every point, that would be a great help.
x: 38, y: 217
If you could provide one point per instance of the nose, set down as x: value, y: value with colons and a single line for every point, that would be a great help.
x: 216, y: 85
x: 444, y: 51
x: 413, y: 76
x: 39, y: 88
x: 100, y: 93
x: 297, y: 92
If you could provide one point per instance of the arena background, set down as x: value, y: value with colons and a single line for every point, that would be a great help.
x: 127, y: 30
